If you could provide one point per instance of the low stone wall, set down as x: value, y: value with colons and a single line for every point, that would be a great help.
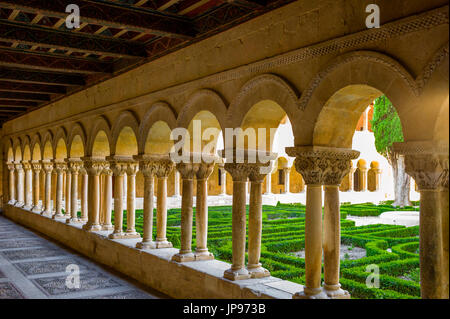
x: 154, y: 268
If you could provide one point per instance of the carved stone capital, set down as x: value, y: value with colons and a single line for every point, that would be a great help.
x: 75, y: 166
x: 36, y: 165
x: 60, y: 167
x: 322, y: 165
x: 150, y: 165
x: 187, y: 170
x: 26, y: 165
x: 18, y: 166
x: 118, y: 164
x: 94, y: 166
x: 204, y: 170
x: 427, y: 162
x: 11, y: 166
x: 47, y: 166
x: 239, y: 171
x: 132, y: 168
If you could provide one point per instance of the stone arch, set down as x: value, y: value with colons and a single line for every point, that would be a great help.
x: 36, y: 147
x: 99, y: 139
x: 17, y: 149
x: 60, y: 144
x: 124, y: 135
x: 26, y: 151
x: 8, y: 150
x: 210, y: 109
x: 262, y: 103
x: 359, y: 177
x: 356, y: 78
x: 76, y: 141
x: 155, y: 128
x: 47, y: 146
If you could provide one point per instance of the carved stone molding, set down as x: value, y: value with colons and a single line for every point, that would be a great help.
x: 94, y: 166
x: 322, y: 165
x: 26, y: 165
x: 187, y: 170
x: 60, y: 167
x: 239, y: 171
x: 47, y: 166
x: 74, y: 165
x: 204, y: 170
x: 37, y: 166
x: 118, y: 164
x: 11, y: 166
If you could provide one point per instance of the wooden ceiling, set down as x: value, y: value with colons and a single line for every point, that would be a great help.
x: 41, y: 60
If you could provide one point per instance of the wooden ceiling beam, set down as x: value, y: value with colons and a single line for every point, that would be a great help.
x: 110, y: 15
x: 31, y: 88
x: 81, y: 42
x: 16, y: 96
x: 22, y: 76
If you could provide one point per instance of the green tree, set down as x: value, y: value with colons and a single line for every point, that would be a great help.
x: 387, y: 129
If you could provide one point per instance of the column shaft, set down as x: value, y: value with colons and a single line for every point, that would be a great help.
x: 161, y: 214
x: 84, y: 197
x: 147, y: 238
x: 107, y: 193
x: 59, y: 193
x: 67, y: 200
x: 201, y: 221
x: 12, y: 186
x: 118, y: 206
x: 131, y: 206
x: 28, y: 188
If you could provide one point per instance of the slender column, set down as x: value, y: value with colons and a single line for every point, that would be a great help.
x: 93, y: 167
x: 74, y: 167
x: 239, y: 174
x: 84, y: 196
x: 164, y: 167
x: 286, y: 172
x: 48, y: 168
x: 268, y: 184
x: 223, y: 179
x: 12, y: 185
x: 131, y: 201
x: 176, y: 185
x: 20, y: 185
x: 254, y: 267
x: 187, y: 171
x: 28, y: 185
x: 201, y: 212
x: 118, y: 169
x: 67, y: 200
x: 60, y: 167
x: 148, y: 169
x: 445, y: 238
x: 107, y: 193
x: 36, y: 186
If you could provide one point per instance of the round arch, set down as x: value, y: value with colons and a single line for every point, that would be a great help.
x: 99, y: 139
x: 77, y: 141
x: 124, y: 135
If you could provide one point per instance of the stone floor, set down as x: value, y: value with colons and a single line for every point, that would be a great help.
x: 33, y: 267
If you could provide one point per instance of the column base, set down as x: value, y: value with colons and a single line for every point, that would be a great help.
x: 310, y: 293
x: 163, y: 244
x: 12, y: 202
x: 27, y: 207
x: 47, y: 214
x: 105, y: 227
x: 72, y: 221
x: 146, y: 245
x: 183, y: 257
x: 19, y: 204
x: 57, y: 216
x: 238, y: 274
x: 203, y: 255
x: 335, y: 292
x: 83, y: 220
x: 120, y: 235
x: 258, y: 272
x: 132, y: 234
x: 91, y: 228
x: 36, y: 209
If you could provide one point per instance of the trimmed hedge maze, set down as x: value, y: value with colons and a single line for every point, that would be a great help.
x: 394, y: 249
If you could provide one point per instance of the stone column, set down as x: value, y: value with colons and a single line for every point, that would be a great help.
x: 223, y: 179
x: 187, y: 172
x: 340, y: 166
x: 176, y: 185
x: 36, y: 186
x: 148, y: 169
x: 60, y: 167
x: 286, y: 172
x: 84, y: 196
x: 268, y: 184
x: 118, y: 168
x: 256, y: 176
x: 427, y: 162
x: 318, y: 164
x: 239, y: 174
x: 74, y: 166
x: 93, y: 167
x: 28, y: 185
x: 12, y: 184
x: 107, y: 193
x: 20, y: 187
x: 132, y: 169
x: 162, y: 171
x: 48, y: 168
x: 201, y: 212
x: 67, y: 200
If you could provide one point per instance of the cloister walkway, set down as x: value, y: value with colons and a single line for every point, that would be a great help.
x: 32, y: 267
